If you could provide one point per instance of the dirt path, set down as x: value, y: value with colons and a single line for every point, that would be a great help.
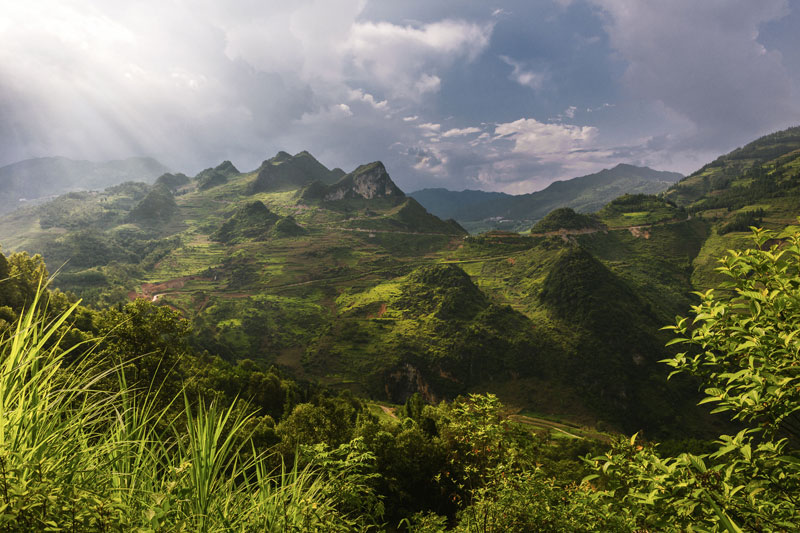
x: 361, y: 230
x: 557, y: 426
x: 388, y: 410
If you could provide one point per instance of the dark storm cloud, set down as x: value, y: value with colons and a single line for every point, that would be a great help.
x: 705, y: 62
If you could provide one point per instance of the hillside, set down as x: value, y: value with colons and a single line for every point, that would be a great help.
x: 477, y: 210
x: 287, y: 172
x: 764, y: 168
x: 45, y: 177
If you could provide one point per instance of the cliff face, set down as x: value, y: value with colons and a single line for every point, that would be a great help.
x: 368, y: 182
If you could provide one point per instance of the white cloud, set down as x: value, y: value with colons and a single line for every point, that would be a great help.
x: 404, y: 59
x: 411, y: 118
x: 360, y: 95
x: 523, y: 76
x: 546, y: 141
x: 460, y: 132
x: 430, y: 126
x: 427, y: 83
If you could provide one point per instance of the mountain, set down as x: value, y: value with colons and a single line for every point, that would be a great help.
x: 351, y: 283
x: 254, y: 221
x: 211, y: 177
x: 764, y: 168
x: 287, y: 172
x: 584, y: 194
x: 451, y: 204
x: 367, y: 182
x: 45, y: 177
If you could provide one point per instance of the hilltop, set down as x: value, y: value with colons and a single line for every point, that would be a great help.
x: 287, y: 172
x: 45, y: 177
x: 764, y: 168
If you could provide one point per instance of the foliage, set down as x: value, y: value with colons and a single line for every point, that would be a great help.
x: 742, y: 221
x: 251, y: 221
x: 742, y: 344
x: 157, y: 207
x: 637, y: 209
x: 566, y: 218
x: 76, y: 458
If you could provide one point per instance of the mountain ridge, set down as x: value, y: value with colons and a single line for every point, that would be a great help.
x: 584, y: 194
x: 37, y: 178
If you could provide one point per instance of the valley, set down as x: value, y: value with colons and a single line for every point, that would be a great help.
x: 362, y: 288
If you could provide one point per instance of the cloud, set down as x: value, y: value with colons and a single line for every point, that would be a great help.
x: 360, y: 95
x: 543, y: 140
x: 704, y: 61
x: 518, y: 156
x: 430, y: 127
x: 460, y: 132
x: 526, y: 78
x: 238, y: 80
x: 403, y: 60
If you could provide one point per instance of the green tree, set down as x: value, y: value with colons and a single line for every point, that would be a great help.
x: 150, y: 342
x: 743, y: 342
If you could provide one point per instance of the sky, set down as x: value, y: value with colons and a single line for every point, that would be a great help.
x: 463, y: 94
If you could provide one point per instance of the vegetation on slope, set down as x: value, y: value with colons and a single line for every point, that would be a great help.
x: 762, y: 168
x: 434, y: 330
x: 213, y: 177
x: 157, y: 207
x: 584, y: 194
x: 566, y: 218
x: 252, y: 221
x: 639, y: 209
x: 173, y: 182
x: 286, y: 172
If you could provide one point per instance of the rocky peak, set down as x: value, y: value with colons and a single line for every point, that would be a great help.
x: 368, y: 182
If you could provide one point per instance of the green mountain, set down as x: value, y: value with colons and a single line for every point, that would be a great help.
x: 765, y: 168
x: 450, y: 204
x: 565, y: 218
x: 41, y: 178
x: 585, y: 194
x: 349, y: 282
x: 287, y: 172
x: 212, y: 177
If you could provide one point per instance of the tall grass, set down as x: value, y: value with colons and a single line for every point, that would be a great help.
x: 74, y: 457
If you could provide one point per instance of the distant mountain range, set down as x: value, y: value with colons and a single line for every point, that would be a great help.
x: 479, y: 210
x: 47, y: 177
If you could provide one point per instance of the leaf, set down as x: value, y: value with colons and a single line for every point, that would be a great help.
x: 725, y: 519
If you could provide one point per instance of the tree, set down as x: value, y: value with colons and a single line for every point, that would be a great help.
x: 149, y: 340
x: 744, y: 343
